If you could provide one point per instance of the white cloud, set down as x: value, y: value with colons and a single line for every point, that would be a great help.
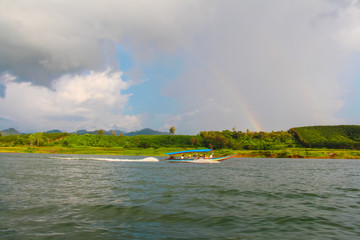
x: 349, y: 32
x: 91, y: 88
x: 90, y: 101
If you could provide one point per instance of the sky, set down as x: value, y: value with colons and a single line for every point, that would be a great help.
x: 197, y: 65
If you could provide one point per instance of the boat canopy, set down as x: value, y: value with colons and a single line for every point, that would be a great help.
x: 189, y: 151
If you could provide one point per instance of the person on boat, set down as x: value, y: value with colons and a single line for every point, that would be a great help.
x: 182, y: 157
x: 211, y: 155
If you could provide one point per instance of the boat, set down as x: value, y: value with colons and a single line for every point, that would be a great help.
x: 195, y: 156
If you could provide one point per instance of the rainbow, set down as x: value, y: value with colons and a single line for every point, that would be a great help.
x: 232, y: 89
x: 255, y: 123
x: 249, y: 114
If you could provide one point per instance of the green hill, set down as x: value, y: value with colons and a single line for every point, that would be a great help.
x: 54, y: 131
x: 10, y: 131
x: 146, y: 131
x: 95, y: 132
x: 342, y: 136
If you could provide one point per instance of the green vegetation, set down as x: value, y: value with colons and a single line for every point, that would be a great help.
x: 248, y: 140
x: 336, y: 137
x: 302, y: 142
x: 87, y: 140
x: 38, y: 139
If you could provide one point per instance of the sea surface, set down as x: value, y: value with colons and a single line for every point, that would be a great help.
x: 46, y: 196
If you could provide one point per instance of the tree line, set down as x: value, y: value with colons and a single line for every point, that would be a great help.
x: 209, y: 139
x: 341, y: 137
x: 248, y: 140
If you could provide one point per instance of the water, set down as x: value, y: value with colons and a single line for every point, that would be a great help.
x: 118, y: 197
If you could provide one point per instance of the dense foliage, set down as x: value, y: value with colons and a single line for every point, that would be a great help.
x: 35, y: 139
x: 335, y: 137
x: 248, y: 140
x: 100, y: 140
x: 140, y: 141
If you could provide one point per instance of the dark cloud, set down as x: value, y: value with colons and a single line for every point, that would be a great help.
x: 42, y: 40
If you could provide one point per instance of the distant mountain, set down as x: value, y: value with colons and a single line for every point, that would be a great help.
x: 95, y: 132
x: 145, y: 131
x: 83, y: 132
x: 117, y: 132
x: 10, y: 131
x: 54, y: 131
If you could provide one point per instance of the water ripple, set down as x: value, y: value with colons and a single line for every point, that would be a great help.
x: 63, y: 197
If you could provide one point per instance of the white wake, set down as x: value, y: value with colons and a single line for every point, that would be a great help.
x: 147, y: 159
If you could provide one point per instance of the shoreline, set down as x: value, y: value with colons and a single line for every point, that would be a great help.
x: 284, y: 153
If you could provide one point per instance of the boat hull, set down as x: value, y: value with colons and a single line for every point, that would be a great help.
x: 207, y: 160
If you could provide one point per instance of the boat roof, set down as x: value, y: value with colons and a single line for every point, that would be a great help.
x: 189, y: 151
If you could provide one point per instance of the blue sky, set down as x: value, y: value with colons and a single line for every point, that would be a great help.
x: 351, y: 109
x: 197, y: 65
x: 148, y: 96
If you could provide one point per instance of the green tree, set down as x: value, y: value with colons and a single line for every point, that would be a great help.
x: 100, y: 132
x: 137, y: 141
x: 38, y: 138
x: 144, y: 145
x: 32, y: 139
x: 192, y: 141
x: 65, y: 143
x: 172, y: 130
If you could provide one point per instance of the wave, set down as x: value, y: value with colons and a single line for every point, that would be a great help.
x: 147, y: 159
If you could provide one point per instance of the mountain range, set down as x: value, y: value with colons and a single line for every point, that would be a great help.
x: 145, y: 131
